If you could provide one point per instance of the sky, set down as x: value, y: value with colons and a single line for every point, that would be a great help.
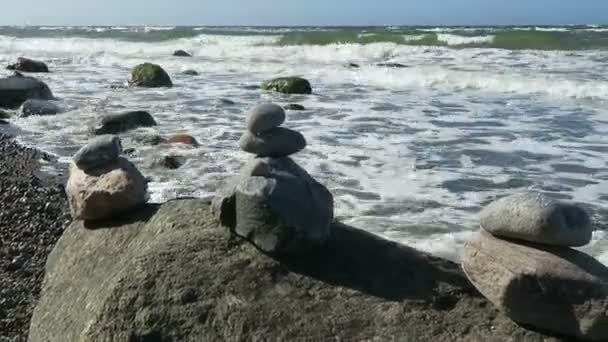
x: 303, y: 12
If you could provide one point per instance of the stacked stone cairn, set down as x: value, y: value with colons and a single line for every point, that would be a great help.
x: 274, y: 203
x: 523, y: 262
x: 102, y: 184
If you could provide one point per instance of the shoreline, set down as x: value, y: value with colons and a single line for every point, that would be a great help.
x: 33, y: 215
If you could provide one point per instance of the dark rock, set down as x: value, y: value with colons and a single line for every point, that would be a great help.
x: 294, y: 106
x: 534, y: 217
x: 4, y: 115
x: 38, y: 107
x: 99, y: 151
x: 118, y: 123
x: 277, y: 142
x: 392, y: 65
x: 288, y: 85
x: 552, y: 288
x: 181, y: 53
x: 190, y: 72
x: 169, y: 273
x: 171, y: 162
x: 150, y: 76
x: 16, y: 89
x: 183, y: 139
x: 28, y: 65
x: 264, y: 117
x: 352, y: 65
x: 3, y: 122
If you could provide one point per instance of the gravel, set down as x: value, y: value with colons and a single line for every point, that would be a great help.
x: 33, y: 215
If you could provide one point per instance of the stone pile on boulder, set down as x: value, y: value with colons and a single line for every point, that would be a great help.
x: 102, y: 184
x: 274, y: 203
x: 522, y: 261
x: 28, y: 65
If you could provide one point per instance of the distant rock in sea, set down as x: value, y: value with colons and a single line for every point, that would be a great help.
x: 150, y: 76
x: 28, y: 65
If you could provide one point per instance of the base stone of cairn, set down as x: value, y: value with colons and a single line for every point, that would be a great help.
x: 274, y: 203
x: 545, y: 285
x: 101, y: 183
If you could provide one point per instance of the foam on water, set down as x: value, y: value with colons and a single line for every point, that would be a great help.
x: 452, y: 39
x: 411, y: 153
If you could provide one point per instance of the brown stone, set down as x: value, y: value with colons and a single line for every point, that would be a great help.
x: 105, y: 191
x: 182, y: 139
x: 554, y: 289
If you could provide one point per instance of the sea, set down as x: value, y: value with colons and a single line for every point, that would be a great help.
x: 411, y: 153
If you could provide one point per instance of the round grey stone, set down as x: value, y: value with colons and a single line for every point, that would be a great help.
x: 277, y: 142
x: 534, y: 217
x: 265, y: 117
x: 100, y: 151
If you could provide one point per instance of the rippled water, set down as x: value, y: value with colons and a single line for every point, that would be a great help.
x: 411, y: 154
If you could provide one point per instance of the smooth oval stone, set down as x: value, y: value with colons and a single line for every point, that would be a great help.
x: 100, y: 151
x: 534, y: 217
x: 277, y: 142
x: 265, y: 117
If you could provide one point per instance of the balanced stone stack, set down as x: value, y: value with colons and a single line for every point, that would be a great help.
x: 102, y: 184
x: 522, y: 261
x: 274, y: 203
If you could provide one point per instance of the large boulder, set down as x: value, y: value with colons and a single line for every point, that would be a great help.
x: 118, y: 123
x: 38, y: 107
x: 555, y: 289
x: 28, y: 65
x: 278, y: 206
x: 288, y: 85
x: 534, y: 217
x: 99, y: 151
x: 150, y: 76
x: 106, y: 191
x: 16, y: 89
x: 170, y: 273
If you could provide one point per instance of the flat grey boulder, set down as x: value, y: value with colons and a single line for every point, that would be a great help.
x: 16, y: 89
x: 278, y: 206
x: 277, y: 142
x: 99, y: 151
x: 170, y: 273
x: 119, y: 123
x: 28, y: 65
x: 39, y: 107
x: 264, y: 117
x: 106, y: 191
x: 534, y: 217
x: 552, y: 288
x: 288, y: 85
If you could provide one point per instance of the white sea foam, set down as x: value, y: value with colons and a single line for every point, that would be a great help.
x: 452, y: 39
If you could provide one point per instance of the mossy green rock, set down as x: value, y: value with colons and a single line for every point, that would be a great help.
x: 171, y: 273
x: 149, y: 75
x: 288, y: 85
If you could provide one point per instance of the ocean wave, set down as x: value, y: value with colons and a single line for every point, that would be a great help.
x: 452, y: 39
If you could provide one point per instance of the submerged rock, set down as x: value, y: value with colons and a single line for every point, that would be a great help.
x: 288, y: 85
x: 181, y: 53
x: 16, y: 89
x: 552, y: 288
x: 170, y: 273
x: 106, y: 191
x: 392, y: 65
x: 28, y: 65
x: 352, y: 65
x: 534, y: 217
x: 149, y: 75
x: 39, y: 107
x: 99, y: 151
x: 182, y: 139
x: 171, y: 162
x: 264, y: 117
x: 118, y: 123
x: 277, y: 142
x: 190, y: 72
x: 294, y: 106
